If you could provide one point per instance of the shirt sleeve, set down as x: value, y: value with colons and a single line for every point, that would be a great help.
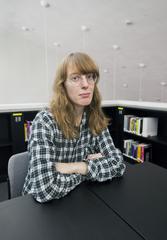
x: 46, y: 183
x: 110, y: 165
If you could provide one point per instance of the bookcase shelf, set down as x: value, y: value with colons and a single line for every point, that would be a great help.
x: 134, y: 159
x: 119, y: 134
x: 5, y: 144
x: 12, y: 137
x: 154, y: 139
x: 134, y: 134
x: 159, y: 140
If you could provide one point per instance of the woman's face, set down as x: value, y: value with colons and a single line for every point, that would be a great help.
x: 79, y: 87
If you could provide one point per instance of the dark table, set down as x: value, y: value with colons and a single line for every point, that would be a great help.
x: 80, y: 215
x: 139, y: 198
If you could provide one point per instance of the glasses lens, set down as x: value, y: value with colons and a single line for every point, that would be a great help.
x: 91, y: 77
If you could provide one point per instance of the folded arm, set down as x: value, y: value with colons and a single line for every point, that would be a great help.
x: 103, y: 165
x: 108, y: 162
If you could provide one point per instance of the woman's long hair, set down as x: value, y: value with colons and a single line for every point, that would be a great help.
x: 61, y: 106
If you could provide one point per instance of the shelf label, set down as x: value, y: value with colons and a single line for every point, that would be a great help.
x: 17, y: 117
x: 17, y: 114
x: 120, y: 108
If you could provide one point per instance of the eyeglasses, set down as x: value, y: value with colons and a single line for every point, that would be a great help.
x: 77, y: 78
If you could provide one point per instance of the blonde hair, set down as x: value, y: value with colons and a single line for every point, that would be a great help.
x: 63, y: 109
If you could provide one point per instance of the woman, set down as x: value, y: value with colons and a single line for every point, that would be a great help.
x: 70, y: 141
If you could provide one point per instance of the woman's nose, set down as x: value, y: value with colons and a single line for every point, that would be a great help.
x: 84, y: 82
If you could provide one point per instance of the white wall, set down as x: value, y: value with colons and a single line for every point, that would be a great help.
x: 26, y: 78
x: 22, y: 74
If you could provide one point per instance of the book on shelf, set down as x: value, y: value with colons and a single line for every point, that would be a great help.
x: 150, y: 126
x: 147, y: 152
x: 27, y: 130
x: 127, y: 121
x: 143, y: 126
x: 139, y: 151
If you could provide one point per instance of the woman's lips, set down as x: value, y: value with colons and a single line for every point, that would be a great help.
x: 85, y: 95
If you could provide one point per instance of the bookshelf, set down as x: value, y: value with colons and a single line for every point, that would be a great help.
x: 12, y: 137
x: 158, y: 140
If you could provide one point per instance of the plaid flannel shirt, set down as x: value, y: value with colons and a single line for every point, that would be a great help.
x: 47, y: 145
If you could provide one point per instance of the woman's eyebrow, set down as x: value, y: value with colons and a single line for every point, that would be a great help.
x: 75, y: 73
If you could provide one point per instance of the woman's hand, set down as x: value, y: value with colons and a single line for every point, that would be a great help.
x: 70, y: 168
x: 94, y: 156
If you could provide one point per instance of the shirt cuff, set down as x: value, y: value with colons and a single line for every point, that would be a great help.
x: 92, y: 170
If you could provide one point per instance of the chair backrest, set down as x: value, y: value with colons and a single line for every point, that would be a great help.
x: 17, y: 171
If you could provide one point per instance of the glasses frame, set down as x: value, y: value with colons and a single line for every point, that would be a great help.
x: 78, y: 81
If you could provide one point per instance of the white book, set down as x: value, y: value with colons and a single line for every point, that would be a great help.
x: 150, y: 126
x: 127, y: 122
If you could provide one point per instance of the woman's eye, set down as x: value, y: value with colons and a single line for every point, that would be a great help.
x: 90, y: 76
x: 76, y: 78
